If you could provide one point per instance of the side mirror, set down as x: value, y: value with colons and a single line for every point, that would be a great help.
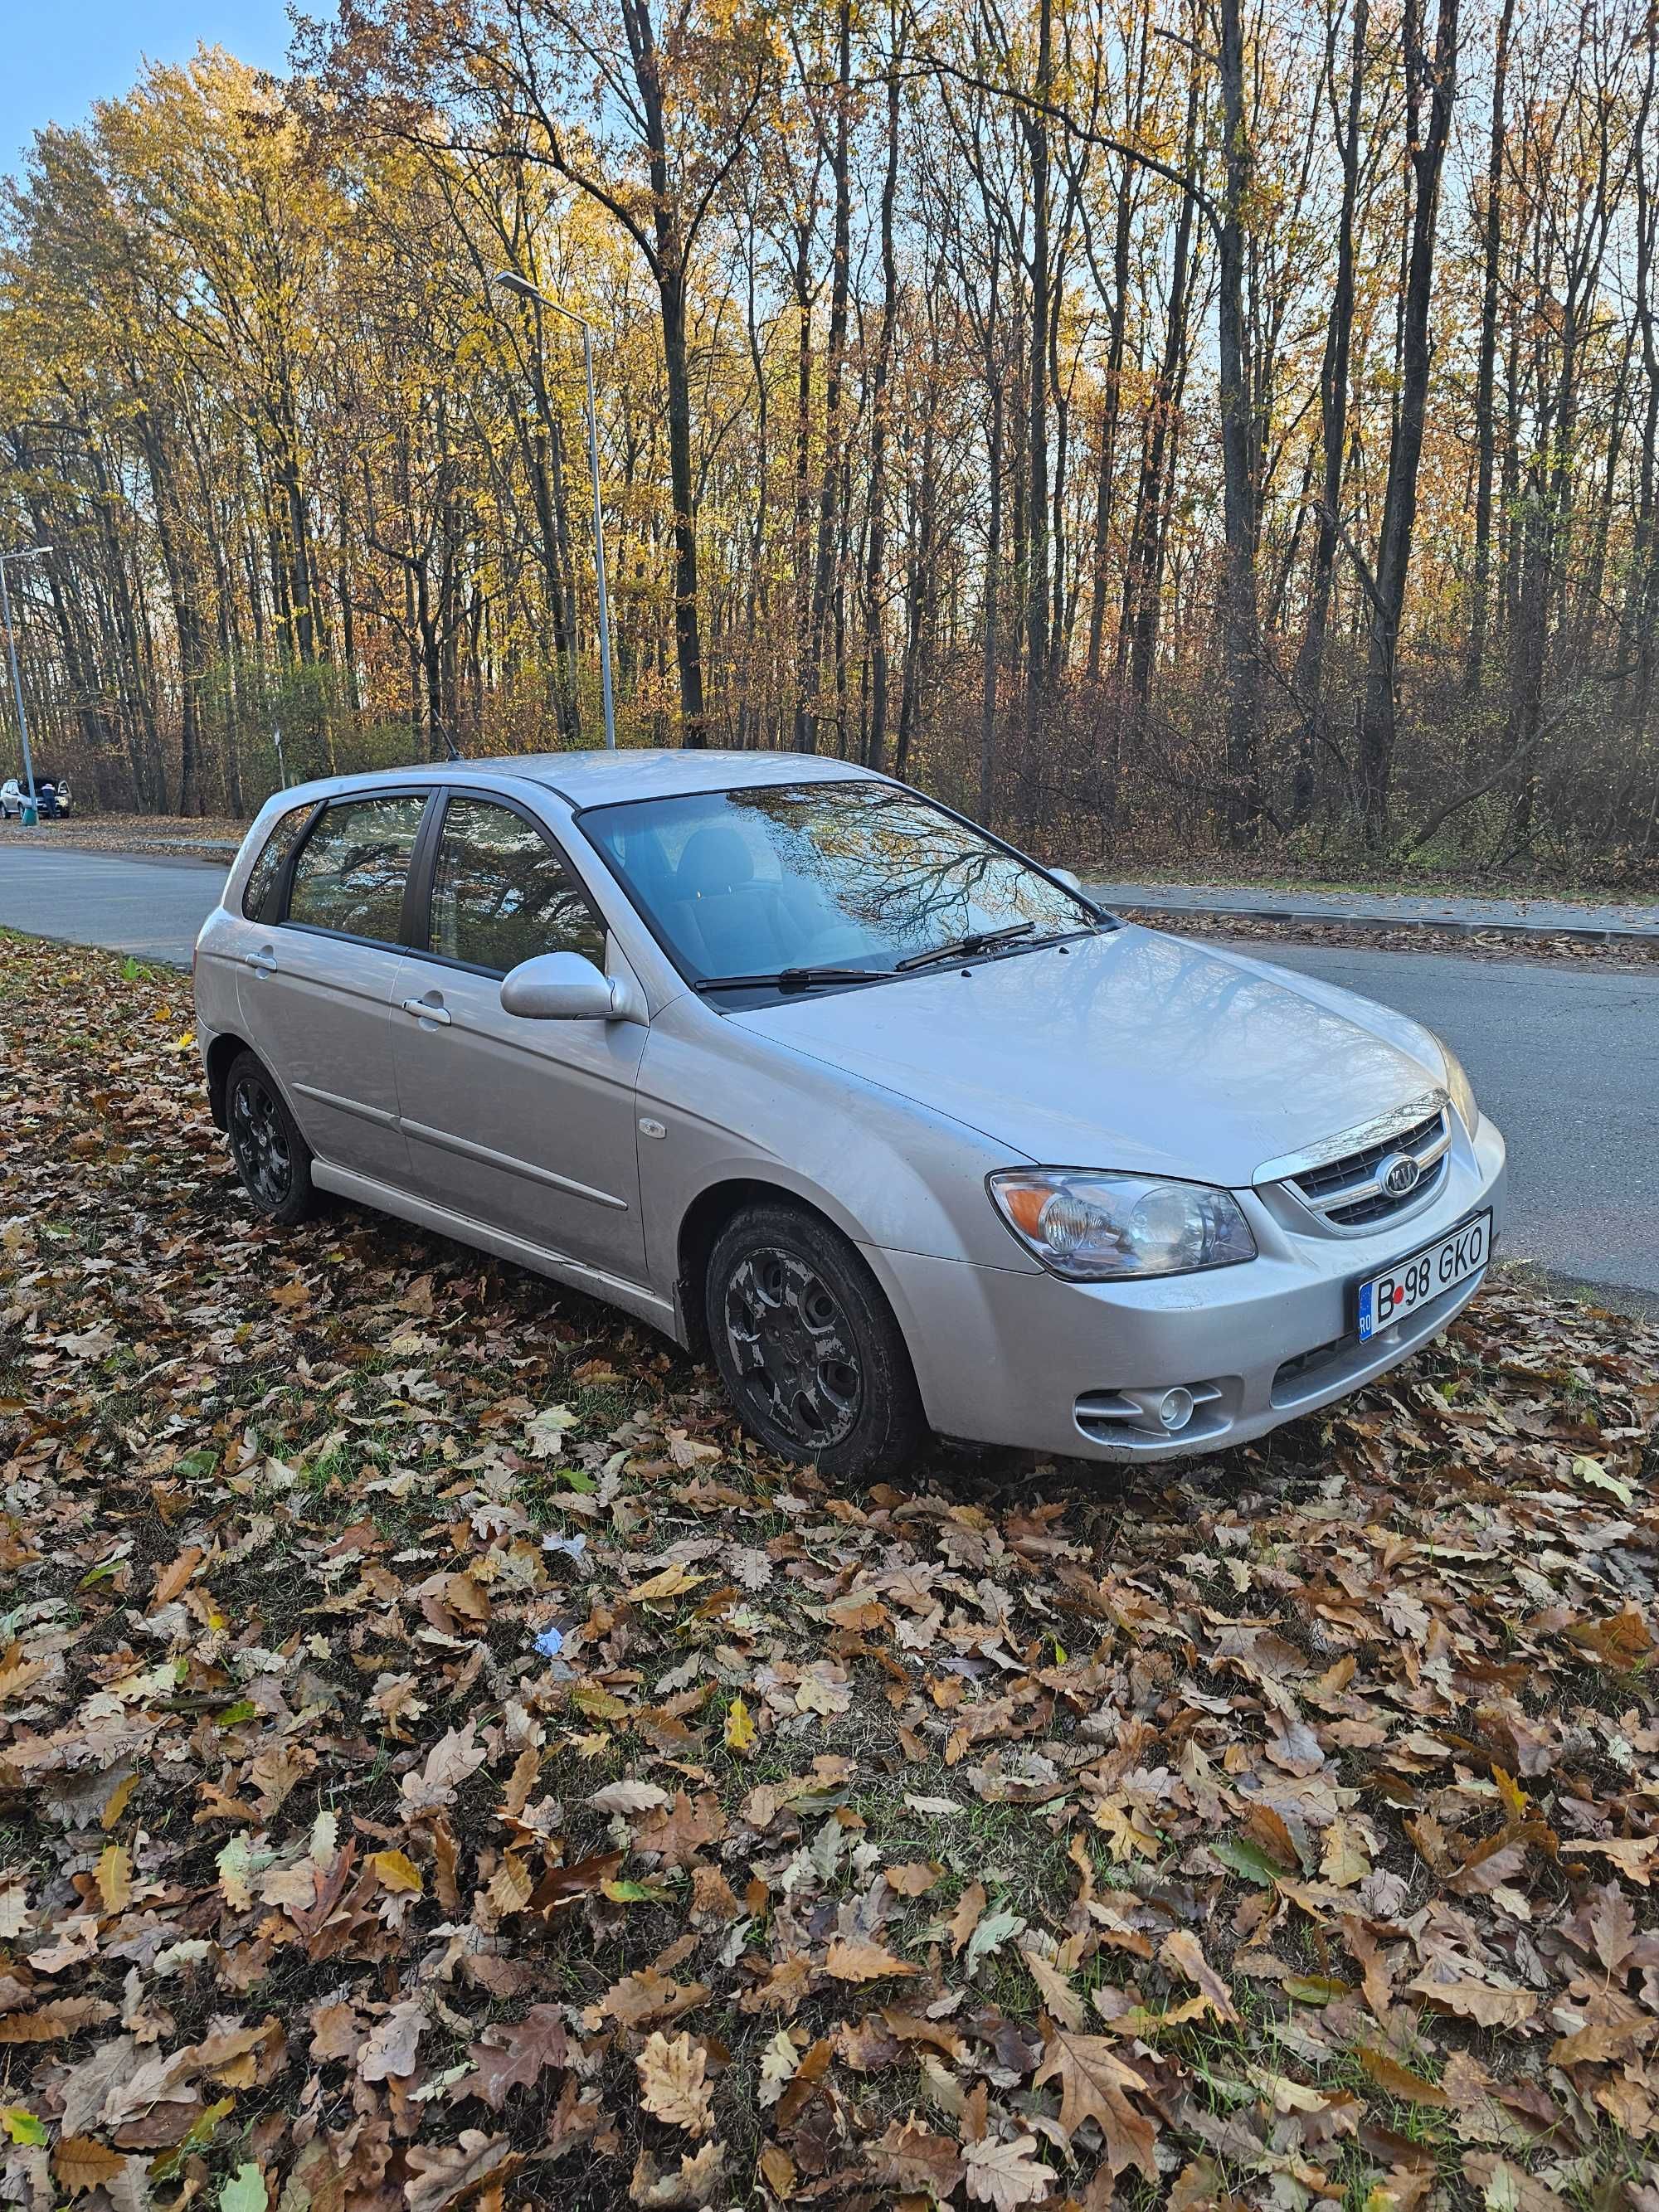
x: 563, y: 987
x: 1072, y: 881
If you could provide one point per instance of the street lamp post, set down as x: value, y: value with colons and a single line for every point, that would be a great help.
x: 23, y: 553
x: 510, y: 282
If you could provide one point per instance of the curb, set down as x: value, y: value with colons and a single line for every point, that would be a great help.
x: 1302, y: 917
x: 166, y: 848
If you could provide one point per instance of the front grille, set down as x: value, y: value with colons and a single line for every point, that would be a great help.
x: 1347, y: 1192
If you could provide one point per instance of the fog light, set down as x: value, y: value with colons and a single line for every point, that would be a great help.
x: 1175, y: 1408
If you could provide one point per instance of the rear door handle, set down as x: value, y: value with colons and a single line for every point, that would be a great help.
x: 428, y: 1010
x: 264, y: 961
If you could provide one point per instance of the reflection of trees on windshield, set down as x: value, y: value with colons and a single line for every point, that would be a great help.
x: 907, y: 874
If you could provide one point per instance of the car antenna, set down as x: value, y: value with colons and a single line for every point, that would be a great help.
x: 450, y: 745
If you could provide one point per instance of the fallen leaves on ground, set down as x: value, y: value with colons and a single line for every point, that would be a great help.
x: 443, y: 1764
x: 1258, y: 934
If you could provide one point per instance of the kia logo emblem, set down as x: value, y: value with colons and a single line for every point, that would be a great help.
x: 1399, y: 1175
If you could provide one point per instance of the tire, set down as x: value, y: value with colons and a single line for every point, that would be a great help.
x: 272, y: 1158
x: 807, y: 1346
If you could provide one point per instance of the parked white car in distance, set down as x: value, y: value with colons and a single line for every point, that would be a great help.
x: 51, y: 792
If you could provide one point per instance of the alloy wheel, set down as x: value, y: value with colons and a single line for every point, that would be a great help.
x: 259, y: 1142
x: 793, y: 1348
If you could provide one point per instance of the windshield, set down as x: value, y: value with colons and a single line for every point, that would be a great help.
x: 855, y: 875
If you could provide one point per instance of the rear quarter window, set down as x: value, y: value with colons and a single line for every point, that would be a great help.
x: 262, y: 877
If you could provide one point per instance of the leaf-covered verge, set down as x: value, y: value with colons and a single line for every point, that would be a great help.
x: 1258, y: 934
x: 444, y: 1764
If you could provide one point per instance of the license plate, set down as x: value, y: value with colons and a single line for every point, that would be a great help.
x: 1400, y: 1289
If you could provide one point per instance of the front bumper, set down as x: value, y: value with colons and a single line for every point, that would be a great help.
x: 1014, y: 1356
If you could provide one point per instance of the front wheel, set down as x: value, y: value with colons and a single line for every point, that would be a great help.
x: 807, y: 1347
x: 272, y: 1158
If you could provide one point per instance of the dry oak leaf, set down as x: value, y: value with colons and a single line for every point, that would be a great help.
x: 913, y: 1879
x: 1632, y: 1855
x: 393, y: 2042
x: 81, y: 2164
x: 1398, y: 2081
x: 964, y: 1921
x: 914, y: 2157
x: 683, y: 1829
x: 631, y: 1797
x: 739, y: 1730
x: 516, y: 2055
x: 396, y: 1871
x: 445, y: 2173
x: 1005, y: 2175
x: 114, y: 1875
x: 1053, y: 1987
x: 674, y: 1582
x: 51, y: 2023
x: 649, y: 1995
x: 692, y: 2187
x: 857, y: 1958
x: 511, y: 1886
x: 779, y: 2168
x: 672, y: 2084
x: 777, y: 2068
x: 449, y: 1762
x: 170, y: 1581
x: 1182, y: 1951
x: 1478, y: 2001
x: 1613, y: 1926
x: 18, y: 1673
x: 1505, y: 2188
x: 1602, y: 2040
x: 1093, y: 2083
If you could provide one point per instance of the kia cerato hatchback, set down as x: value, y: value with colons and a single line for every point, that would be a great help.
x: 822, y: 1080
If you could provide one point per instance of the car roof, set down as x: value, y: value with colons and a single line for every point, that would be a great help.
x: 601, y: 779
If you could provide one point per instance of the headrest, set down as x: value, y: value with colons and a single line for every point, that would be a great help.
x: 714, y: 861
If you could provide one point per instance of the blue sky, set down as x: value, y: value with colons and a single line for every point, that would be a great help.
x: 61, y: 55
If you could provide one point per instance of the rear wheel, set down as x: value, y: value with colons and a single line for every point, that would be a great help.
x: 272, y: 1158
x: 807, y: 1348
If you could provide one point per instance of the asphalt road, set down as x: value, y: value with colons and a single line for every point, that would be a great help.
x: 148, y: 905
x: 1564, y: 1059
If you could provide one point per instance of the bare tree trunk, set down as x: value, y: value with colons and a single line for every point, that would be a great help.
x: 1109, y: 418
x: 1240, y: 618
x: 1036, y: 568
x: 875, y: 573
x: 825, y: 567
x: 1486, y: 426
x: 987, y: 692
x: 1642, y: 599
x: 1333, y: 430
x: 1439, y: 79
x: 803, y: 530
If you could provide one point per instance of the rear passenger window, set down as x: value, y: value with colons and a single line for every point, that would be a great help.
x: 501, y: 894
x: 352, y: 873
x: 262, y: 877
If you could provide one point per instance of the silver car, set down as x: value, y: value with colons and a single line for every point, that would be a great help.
x: 831, y: 1085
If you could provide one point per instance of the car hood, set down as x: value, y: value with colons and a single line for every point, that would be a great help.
x: 1130, y: 1050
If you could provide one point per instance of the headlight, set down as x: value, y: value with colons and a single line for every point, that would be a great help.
x: 1094, y: 1228
x: 1459, y: 1088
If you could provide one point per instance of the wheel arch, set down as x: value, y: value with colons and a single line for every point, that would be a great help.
x: 707, y: 1216
x: 222, y: 1054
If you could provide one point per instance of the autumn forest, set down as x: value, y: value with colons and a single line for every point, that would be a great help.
x: 1187, y: 425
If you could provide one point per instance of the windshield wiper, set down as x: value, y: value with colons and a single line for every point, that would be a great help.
x: 789, y: 978
x: 978, y: 941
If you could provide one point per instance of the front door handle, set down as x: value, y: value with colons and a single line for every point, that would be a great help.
x: 428, y: 1010
x: 264, y: 961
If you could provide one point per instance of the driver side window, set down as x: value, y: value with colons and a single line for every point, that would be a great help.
x: 501, y: 894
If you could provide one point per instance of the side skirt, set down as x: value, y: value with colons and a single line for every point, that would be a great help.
x: 614, y: 1290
